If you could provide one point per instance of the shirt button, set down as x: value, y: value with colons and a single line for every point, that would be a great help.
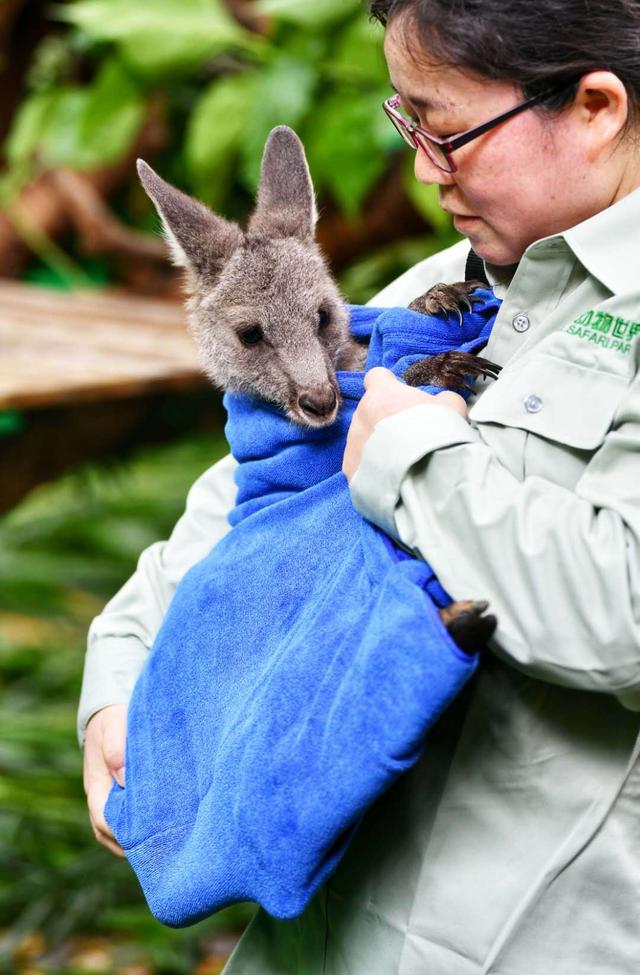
x: 521, y: 322
x: 533, y: 404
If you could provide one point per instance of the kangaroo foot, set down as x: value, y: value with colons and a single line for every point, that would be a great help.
x: 467, y: 624
x: 455, y: 370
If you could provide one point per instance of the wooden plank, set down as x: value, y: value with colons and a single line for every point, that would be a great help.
x: 83, y: 303
x: 58, y: 347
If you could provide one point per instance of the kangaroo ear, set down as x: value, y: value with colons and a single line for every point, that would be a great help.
x: 286, y: 202
x: 198, y: 239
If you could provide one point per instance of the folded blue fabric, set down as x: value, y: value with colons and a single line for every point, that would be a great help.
x: 298, y: 669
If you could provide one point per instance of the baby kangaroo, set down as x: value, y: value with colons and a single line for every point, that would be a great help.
x: 266, y: 314
x: 268, y: 318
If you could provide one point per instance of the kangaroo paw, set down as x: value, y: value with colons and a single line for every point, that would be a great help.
x: 454, y: 370
x: 445, y: 299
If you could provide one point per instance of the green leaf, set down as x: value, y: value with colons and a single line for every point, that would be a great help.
x: 284, y: 96
x: 310, y: 46
x: 61, y: 143
x: 113, y: 114
x: 426, y: 199
x: 310, y: 13
x: 27, y: 127
x: 162, y: 36
x: 358, y: 54
x: 215, y: 133
x: 88, y: 127
x: 347, y: 146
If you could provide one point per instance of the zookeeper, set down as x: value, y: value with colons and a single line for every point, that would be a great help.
x: 513, y: 846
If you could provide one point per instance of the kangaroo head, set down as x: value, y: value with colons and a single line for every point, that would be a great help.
x: 267, y: 317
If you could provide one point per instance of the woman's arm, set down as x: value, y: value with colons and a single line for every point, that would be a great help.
x: 560, y: 567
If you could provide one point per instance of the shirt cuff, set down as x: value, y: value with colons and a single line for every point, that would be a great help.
x: 396, y: 444
x: 111, y: 668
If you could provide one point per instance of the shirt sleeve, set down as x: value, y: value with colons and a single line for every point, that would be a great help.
x: 121, y: 636
x: 560, y: 567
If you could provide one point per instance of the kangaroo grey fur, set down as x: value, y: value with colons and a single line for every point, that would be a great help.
x: 271, y: 277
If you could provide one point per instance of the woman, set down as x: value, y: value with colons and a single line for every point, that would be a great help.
x: 513, y: 847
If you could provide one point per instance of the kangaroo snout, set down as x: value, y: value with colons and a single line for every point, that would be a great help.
x: 319, y: 405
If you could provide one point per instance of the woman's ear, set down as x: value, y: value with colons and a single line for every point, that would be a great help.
x: 602, y: 105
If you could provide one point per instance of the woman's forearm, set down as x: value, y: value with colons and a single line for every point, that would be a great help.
x: 560, y: 567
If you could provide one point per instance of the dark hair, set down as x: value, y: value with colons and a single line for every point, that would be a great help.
x: 537, y: 44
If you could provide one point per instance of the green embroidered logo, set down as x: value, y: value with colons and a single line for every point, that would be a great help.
x: 603, y: 329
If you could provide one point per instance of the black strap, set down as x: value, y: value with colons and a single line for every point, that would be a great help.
x: 474, y: 269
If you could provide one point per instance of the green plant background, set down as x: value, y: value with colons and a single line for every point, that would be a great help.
x: 63, y: 552
x: 318, y: 67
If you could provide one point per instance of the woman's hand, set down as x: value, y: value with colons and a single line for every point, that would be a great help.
x: 104, y: 755
x: 384, y: 396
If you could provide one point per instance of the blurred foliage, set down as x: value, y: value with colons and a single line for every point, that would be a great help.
x: 362, y: 279
x: 220, y: 87
x: 63, y: 552
x: 317, y: 67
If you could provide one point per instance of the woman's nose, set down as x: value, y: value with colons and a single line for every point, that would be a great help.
x: 427, y: 172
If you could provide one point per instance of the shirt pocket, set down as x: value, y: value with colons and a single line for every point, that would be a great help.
x: 564, y: 408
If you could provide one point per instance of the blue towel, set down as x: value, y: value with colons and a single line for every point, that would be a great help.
x: 297, y: 671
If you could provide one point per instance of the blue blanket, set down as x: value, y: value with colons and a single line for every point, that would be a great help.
x: 297, y: 671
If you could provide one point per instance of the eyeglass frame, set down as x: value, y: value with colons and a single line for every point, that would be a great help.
x: 448, y: 146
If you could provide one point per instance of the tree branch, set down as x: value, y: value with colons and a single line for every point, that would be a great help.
x: 99, y: 230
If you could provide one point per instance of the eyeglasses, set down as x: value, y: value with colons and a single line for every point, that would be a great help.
x: 439, y: 150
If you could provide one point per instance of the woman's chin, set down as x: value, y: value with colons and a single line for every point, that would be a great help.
x: 500, y: 253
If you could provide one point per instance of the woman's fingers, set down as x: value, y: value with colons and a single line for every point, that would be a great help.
x: 378, y: 375
x: 104, y: 757
x: 385, y: 396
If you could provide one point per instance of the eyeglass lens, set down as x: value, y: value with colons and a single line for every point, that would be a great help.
x: 418, y: 141
x: 434, y: 152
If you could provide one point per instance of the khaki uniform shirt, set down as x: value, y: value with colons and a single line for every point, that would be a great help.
x: 513, y: 846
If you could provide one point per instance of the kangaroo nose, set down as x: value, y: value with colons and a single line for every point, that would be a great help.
x: 319, y: 403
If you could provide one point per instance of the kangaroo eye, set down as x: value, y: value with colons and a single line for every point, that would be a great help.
x: 251, y: 336
x: 323, y: 317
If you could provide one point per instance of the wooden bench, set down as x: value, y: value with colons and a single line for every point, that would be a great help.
x: 83, y: 370
x: 77, y: 347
